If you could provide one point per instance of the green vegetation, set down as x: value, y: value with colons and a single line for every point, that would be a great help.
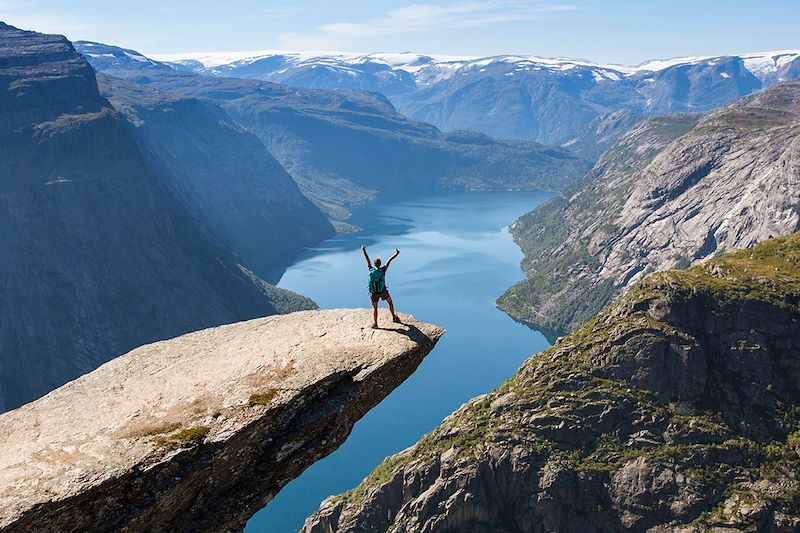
x: 538, y: 232
x: 673, y: 126
x: 284, y: 301
x: 381, y: 475
x: 187, y: 438
x: 769, y: 271
x: 264, y: 398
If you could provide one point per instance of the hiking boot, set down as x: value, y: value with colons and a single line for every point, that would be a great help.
x: 374, y: 326
x: 396, y: 319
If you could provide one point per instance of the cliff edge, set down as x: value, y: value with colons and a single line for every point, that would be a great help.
x: 200, y: 431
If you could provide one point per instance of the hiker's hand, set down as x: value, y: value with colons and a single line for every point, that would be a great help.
x: 363, y: 247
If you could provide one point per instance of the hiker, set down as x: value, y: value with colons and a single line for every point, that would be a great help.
x: 377, y: 285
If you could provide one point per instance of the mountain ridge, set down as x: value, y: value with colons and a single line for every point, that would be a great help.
x: 674, y: 191
x: 413, y: 62
x: 516, y: 96
x: 308, y: 130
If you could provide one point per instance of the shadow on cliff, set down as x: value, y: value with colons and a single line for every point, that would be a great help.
x: 412, y: 332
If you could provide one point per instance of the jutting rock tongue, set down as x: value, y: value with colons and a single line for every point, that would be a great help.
x: 199, y: 432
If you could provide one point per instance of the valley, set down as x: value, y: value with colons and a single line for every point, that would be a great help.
x: 185, y: 338
x: 308, y: 130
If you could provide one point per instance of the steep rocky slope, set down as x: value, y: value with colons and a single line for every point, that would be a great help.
x: 602, y: 133
x: 229, y: 182
x: 198, y: 432
x: 98, y: 254
x: 673, y: 192
x: 344, y: 146
x: 676, y: 409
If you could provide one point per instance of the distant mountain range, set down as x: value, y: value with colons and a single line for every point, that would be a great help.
x: 520, y: 97
x: 140, y: 200
x: 343, y: 147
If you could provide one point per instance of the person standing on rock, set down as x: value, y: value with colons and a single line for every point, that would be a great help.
x: 377, y: 285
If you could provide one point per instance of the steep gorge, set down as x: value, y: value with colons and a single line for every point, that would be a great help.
x: 343, y: 147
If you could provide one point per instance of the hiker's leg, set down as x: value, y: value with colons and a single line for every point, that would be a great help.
x: 375, y: 312
x: 391, y: 306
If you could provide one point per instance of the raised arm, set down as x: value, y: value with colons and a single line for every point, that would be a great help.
x: 396, y: 253
x: 366, y: 256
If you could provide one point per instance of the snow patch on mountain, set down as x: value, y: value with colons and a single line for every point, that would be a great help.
x: 427, y: 69
x: 769, y: 62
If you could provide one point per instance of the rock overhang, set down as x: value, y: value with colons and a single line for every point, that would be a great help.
x: 201, y: 430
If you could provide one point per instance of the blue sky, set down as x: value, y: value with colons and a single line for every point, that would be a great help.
x: 619, y: 31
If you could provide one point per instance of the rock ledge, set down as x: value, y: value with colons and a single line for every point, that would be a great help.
x: 200, y: 431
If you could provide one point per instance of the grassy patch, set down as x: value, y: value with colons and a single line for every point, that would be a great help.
x: 769, y: 271
x: 187, y: 438
x: 264, y: 398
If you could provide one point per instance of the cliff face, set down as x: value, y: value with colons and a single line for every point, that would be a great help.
x: 678, y: 408
x: 43, y: 76
x: 99, y: 254
x: 231, y: 185
x: 198, y: 432
x: 672, y: 192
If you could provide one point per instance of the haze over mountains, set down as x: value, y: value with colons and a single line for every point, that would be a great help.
x: 239, y: 206
x: 310, y: 130
x: 139, y: 210
x: 521, y: 97
x: 231, y: 184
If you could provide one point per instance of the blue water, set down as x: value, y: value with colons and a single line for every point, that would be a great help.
x: 456, y: 258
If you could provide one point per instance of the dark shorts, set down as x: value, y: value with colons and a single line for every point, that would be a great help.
x: 375, y: 296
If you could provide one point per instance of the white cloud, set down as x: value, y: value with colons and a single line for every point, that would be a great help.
x: 417, y: 18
